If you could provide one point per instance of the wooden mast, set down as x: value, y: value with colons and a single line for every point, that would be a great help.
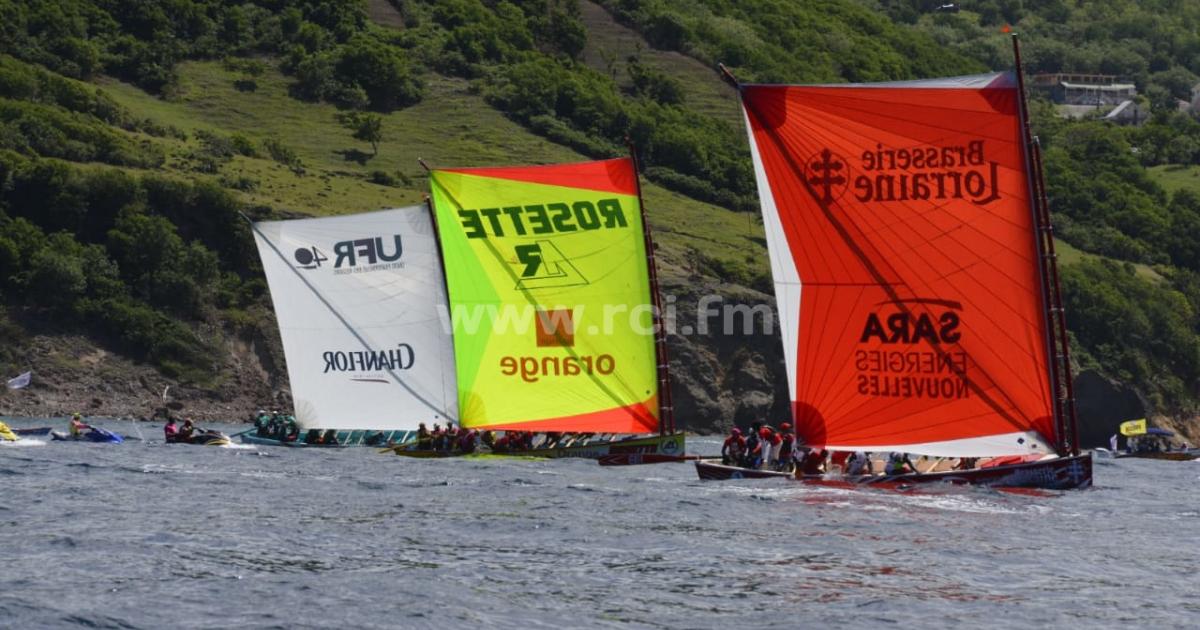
x: 666, y: 408
x: 1066, y: 421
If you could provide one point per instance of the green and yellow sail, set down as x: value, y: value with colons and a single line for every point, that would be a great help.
x: 549, y: 296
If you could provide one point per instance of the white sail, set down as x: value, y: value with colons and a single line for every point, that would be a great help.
x: 360, y: 301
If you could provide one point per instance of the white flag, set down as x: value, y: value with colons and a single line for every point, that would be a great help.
x: 20, y: 381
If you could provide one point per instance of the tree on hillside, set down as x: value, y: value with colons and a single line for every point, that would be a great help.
x: 365, y: 127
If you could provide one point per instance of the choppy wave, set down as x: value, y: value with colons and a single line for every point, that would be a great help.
x: 139, y: 536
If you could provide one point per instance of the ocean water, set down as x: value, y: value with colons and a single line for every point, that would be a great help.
x: 150, y: 535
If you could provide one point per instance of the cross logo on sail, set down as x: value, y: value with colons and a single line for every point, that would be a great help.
x: 541, y: 265
x: 827, y: 174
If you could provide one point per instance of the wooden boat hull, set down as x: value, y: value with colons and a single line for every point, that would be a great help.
x: 713, y: 471
x: 669, y: 446
x: 1060, y: 473
x: 636, y: 459
x: 354, y: 437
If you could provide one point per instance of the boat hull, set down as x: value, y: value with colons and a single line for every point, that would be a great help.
x: 356, y: 437
x: 35, y: 432
x: 636, y: 459
x: 713, y: 471
x: 1060, y: 473
x: 669, y: 446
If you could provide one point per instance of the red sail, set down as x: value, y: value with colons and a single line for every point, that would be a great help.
x: 903, y: 249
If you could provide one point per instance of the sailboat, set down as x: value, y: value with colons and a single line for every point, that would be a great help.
x: 553, y: 294
x: 912, y: 256
x: 360, y: 300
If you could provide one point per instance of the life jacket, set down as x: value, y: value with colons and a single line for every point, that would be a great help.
x: 895, y: 464
x: 736, y: 446
x: 170, y: 432
x: 785, y: 444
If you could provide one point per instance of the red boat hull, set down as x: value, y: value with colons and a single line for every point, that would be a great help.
x: 1061, y: 473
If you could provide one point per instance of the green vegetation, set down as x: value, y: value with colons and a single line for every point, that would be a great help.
x: 132, y: 134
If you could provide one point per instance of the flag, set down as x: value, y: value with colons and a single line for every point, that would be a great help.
x: 1133, y: 427
x: 20, y: 381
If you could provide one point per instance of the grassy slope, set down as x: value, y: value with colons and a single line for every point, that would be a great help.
x: 451, y: 127
x: 609, y: 44
x: 1176, y: 177
x: 1068, y: 255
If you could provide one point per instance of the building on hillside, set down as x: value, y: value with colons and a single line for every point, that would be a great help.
x: 1084, y: 89
x: 1082, y: 95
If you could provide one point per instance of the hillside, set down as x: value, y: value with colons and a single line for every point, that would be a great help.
x: 112, y: 146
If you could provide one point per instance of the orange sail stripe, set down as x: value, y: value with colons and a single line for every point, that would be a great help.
x: 905, y: 213
x: 639, y: 418
x: 616, y: 175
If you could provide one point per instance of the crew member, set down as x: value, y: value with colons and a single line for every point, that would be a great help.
x: 898, y: 464
x: 753, y: 447
x: 814, y: 462
x: 787, y: 441
x: 185, y: 433
x: 859, y: 463
x: 262, y: 423
x: 77, y: 425
x: 734, y: 448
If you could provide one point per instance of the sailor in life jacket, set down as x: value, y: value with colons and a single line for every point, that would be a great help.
x: 765, y: 435
x: 858, y: 464
x: 734, y: 448
x: 77, y: 425
x: 787, y: 442
x: 898, y: 464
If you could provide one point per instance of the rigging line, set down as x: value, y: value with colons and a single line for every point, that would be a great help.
x: 366, y: 346
x: 871, y: 266
x: 601, y: 385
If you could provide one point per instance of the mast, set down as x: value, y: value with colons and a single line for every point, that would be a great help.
x: 666, y: 409
x: 1066, y: 421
